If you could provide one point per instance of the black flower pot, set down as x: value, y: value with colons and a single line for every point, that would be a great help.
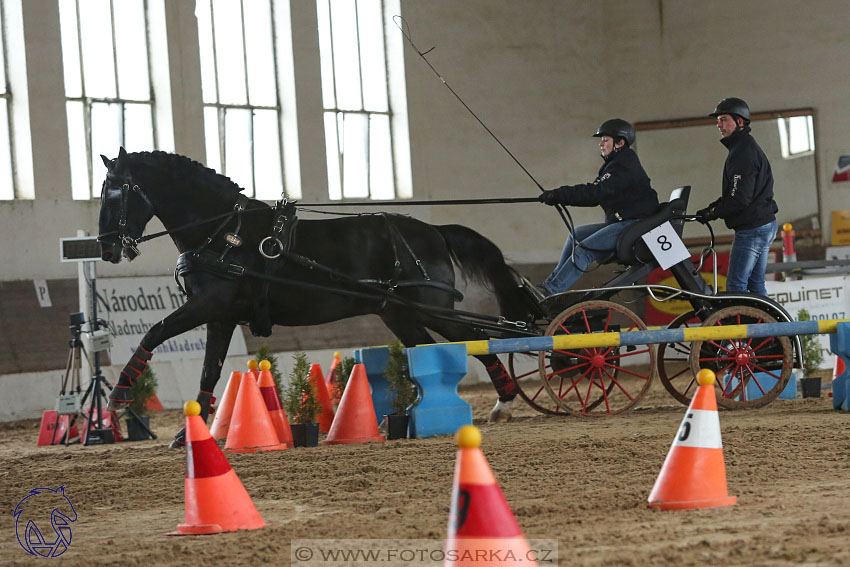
x: 397, y: 426
x: 135, y: 431
x: 305, y: 434
x: 810, y: 387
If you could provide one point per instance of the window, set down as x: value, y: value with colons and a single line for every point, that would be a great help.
x: 107, y: 85
x: 243, y: 121
x: 364, y: 113
x: 796, y: 136
x: 7, y: 180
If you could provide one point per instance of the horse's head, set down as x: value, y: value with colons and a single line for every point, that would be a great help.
x: 124, y: 210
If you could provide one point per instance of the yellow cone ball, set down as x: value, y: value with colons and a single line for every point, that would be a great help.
x: 252, y: 364
x: 337, y: 355
x: 265, y: 365
x: 786, y: 227
x: 192, y: 408
x: 706, y: 377
x: 468, y: 437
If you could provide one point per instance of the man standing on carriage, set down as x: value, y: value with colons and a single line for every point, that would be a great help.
x: 746, y: 204
x: 621, y: 188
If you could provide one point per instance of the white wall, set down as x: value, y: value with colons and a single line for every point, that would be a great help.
x: 542, y: 74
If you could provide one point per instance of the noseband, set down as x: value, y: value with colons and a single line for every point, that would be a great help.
x: 129, y: 244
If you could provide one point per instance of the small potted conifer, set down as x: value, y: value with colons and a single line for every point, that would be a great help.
x: 342, y: 373
x: 812, y: 360
x: 301, y: 403
x: 402, y: 391
x: 142, y: 389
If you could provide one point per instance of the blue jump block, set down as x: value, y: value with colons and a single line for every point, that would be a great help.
x: 375, y: 360
x: 839, y: 343
x: 437, y: 370
x: 767, y: 382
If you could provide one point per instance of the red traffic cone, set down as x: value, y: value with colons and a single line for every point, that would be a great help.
x: 327, y: 416
x: 694, y: 472
x: 208, y: 477
x: 788, y: 252
x: 251, y: 428
x: 224, y: 411
x: 252, y: 368
x: 481, y: 523
x: 153, y: 403
x: 355, y: 420
x: 330, y: 379
x: 272, y: 399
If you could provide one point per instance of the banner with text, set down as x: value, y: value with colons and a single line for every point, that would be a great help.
x: 137, y: 304
x: 823, y: 298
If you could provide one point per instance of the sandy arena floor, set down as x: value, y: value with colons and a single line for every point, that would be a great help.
x: 581, y: 482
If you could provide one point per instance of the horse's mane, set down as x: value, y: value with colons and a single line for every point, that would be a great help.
x: 191, y: 168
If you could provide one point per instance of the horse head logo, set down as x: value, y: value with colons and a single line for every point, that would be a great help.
x: 38, y: 503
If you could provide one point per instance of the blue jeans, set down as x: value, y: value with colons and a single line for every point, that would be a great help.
x: 599, y: 236
x: 748, y: 259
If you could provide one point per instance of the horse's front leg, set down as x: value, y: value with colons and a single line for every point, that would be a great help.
x: 218, y: 341
x: 186, y: 317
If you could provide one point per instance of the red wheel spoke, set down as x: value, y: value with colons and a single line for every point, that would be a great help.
x: 768, y: 372
x: 633, y: 353
x: 570, y: 353
x: 620, y: 386
x: 607, y: 320
x: 721, y: 347
x: 627, y: 371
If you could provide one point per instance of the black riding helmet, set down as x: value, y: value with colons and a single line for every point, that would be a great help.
x: 733, y: 106
x: 617, y: 128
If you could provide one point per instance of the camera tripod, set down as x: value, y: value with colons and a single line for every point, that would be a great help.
x: 73, y: 404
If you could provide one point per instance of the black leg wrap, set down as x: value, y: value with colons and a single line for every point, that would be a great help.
x: 501, y: 380
x: 121, y: 393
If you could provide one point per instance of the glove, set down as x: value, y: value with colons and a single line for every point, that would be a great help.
x: 706, y: 215
x: 548, y: 197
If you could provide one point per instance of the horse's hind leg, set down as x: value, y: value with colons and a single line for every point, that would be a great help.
x: 218, y: 341
x: 500, y: 378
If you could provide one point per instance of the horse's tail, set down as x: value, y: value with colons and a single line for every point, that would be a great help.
x: 481, y: 261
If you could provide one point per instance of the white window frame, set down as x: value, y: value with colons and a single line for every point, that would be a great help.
x: 785, y: 133
x: 289, y: 171
x: 88, y: 102
x: 6, y: 95
x: 334, y: 114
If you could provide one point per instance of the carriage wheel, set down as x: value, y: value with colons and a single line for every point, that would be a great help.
x: 594, y: 381
x: 751, y: 373
x: 674, y: 366
x: 525, y: 373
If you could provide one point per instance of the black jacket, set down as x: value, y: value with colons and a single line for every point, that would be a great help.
x: 622, y: 189
x: 747, y: 199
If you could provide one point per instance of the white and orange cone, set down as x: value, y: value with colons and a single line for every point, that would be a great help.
x: 216, y: 501
x: 694, y: 472
x: 481, y: 523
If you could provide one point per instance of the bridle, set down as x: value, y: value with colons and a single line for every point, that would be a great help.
x: 129, y: 244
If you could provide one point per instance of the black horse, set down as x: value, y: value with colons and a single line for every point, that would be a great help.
x: 244, y: 262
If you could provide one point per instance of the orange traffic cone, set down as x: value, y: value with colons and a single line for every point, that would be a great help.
x: 694, y: 472
x: 252, y: 368
x: 355, y: 420
x: 330, y: 379
x: 224, y: 411
x: 153, y: 403
x: 481, y: 523
x: 208, y: 477
x: 272, y: 399
x: 251, y: 428
x: 327, y: 416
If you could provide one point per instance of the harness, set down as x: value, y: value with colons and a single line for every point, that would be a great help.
x: 276, y: 250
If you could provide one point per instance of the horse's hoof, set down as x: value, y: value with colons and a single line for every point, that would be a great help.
x: 116, y: 405
x: 179, y: 440
x: 501, y: 412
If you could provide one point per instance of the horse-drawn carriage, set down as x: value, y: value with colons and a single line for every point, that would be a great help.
x: 243, y: 262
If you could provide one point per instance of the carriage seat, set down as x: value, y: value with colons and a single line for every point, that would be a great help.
x: 631, y: 249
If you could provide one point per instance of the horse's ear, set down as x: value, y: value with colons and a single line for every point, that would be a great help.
x: 105, y: 160
x: 122, y: 154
